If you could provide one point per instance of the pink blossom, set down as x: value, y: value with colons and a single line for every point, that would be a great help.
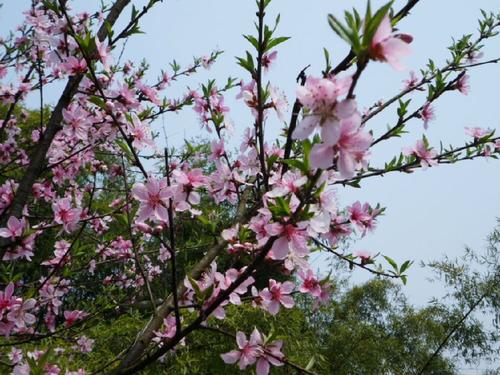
x: 15, y: 228
x: 7, y: 194
x: 247, y: 352
x: 185, y: 192
x: 167, y: 330
x: 141, y: 134
x: 15, y: 355
x: 24, y: 249
x: 255, y: 350
x: 19, y: 313
x: 388, y: 47
x: 290, y: 182
x: 217, y: 148
x: 127, y: 97
x: 473, y: 56
x: 76, y: 122
x: 426, y: 156
x: 271, y: 355
x: 206, y: 62
x: 277, y: 293
x: 310, y: 284
x: 226, y: 280
x: 66, y: 215
x: 279, y: 102
x: 292, y: 238
x: 477, y: 132
x: 22, y: 369
x: 339, y: 229
x: 259, y: 225
x: 61, y: 254
x: 6, y: 299
x: 77, y: 372
x: 364, y: 255
x: 324, y: 295
x: 327, y: 201
x: 164, y: 254
x: 267, y: 60
x: 217, y: 102
x: 103, y: 53
x: 427, y: 114
x: 149, y: 92
x: 362, y: 216
x: 351, y: 149
x: 411, y: 82
x: 153, y: 197
x: 463, y: 84
x: 320, y: 95
x: 73, y: 316
x: 84, y: 344
x: 74, y: 66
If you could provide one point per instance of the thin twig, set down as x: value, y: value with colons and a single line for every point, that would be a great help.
x: 173, y: 280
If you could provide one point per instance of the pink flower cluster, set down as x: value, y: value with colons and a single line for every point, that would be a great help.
x: 342, y: 136
x: 16, y: 314
x: 255, y: 350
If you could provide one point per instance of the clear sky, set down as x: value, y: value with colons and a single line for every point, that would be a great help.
x: 428, y: 213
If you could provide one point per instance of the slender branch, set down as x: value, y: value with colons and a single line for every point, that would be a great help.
x: 492, y: 61
x: 352, y: 262
x: 415, y: 114
x: 259, y: 123
x: 360, y: 66
x: 173, y: 281
x: 297, y: 106
x: 444, y: 158
x: 133, y: 22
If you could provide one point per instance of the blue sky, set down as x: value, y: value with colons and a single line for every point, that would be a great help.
x: 428, y: 213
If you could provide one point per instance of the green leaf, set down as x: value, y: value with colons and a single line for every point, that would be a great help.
x: 247, y: 63
x: 126, y: 150
x: 405, y: 266
x: 271, y: 160
x: 297, y: 164
x: 327, y: 60
x: 195, y: 285
x: 253, y: 41
x: 307, y: 147
x: 283, y: 204
x: 276, y: 41
x: 97, y: 101
x: 339, y: 28
x: 311, y: 363
x: 109, y: 29
x: 354, y: 184
x: 391, y: 262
